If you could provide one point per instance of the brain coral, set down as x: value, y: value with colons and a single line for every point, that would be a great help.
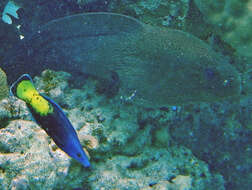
x: 233, y: 20
x: 3, y: 85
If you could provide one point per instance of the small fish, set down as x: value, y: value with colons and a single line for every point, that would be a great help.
x: 50, y: 117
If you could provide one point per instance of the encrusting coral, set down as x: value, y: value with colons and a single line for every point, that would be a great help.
x: 3, y: 85
x: 232, y: 20
x: 123, y: 150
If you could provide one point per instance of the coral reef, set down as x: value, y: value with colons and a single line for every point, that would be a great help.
x: 26, y: 159
x: 219, y: 134
x: 161, y: 13
x: 201, y: 146
x: 154, y: 168
x: 129, y: 146
x: 232, y: 20
x: 3, y: 85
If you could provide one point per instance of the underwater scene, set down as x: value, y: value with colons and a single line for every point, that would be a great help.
x: 126, y: 95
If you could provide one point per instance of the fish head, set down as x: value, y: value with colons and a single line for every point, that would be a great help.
x: 75, y: 150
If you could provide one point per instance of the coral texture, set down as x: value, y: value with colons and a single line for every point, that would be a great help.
x: 158, y: 12
x: 26, y: 159
x: 3, y: 85
x: 129, y: 146
x: 233, y: 21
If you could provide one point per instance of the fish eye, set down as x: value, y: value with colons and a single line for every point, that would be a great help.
x: 209, y: 73
x: 79, y: 155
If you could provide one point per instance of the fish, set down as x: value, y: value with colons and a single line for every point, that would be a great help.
x: 49, y: 115
x: 155, y: 66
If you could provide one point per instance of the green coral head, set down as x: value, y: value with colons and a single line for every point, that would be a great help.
x: 25, y: 90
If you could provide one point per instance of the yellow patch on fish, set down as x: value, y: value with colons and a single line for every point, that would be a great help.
x: 27, y: 92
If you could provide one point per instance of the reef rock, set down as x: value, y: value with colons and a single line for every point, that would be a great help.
x: 3, y: 85
x: 159, y: 13
x: 127, y: 147
x: 172, y: 169
x: 232, y: 20
x: 27, y: 160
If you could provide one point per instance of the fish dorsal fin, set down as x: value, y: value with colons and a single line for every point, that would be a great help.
x: 69, y: 39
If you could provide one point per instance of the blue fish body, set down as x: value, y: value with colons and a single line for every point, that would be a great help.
x: 57, y: 126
